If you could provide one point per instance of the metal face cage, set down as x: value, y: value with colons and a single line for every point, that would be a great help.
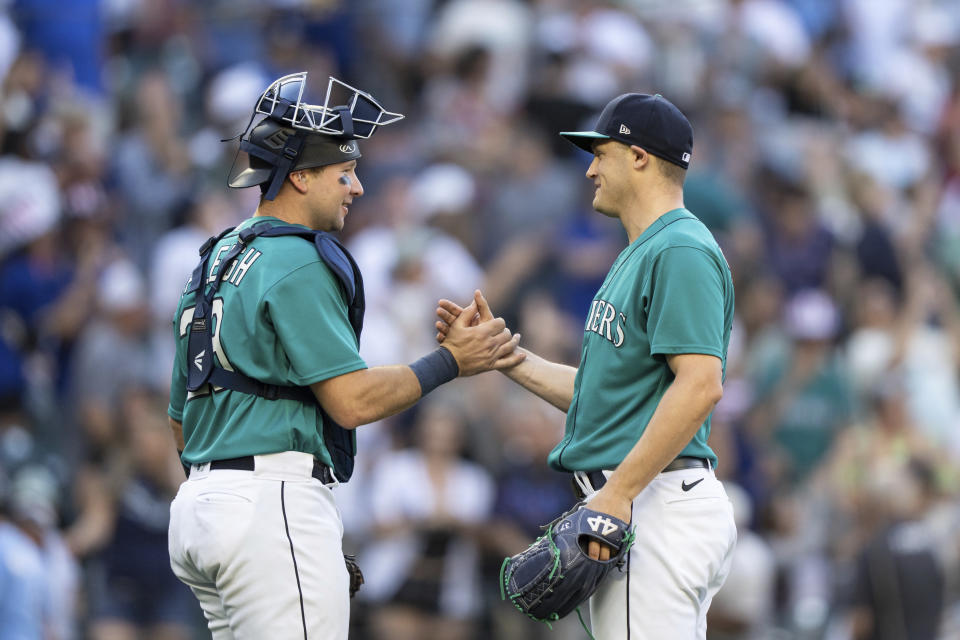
x: 283, y: 100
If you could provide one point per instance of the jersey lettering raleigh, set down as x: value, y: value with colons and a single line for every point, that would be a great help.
x: 237, y: 269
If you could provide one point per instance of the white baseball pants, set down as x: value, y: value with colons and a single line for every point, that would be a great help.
x: 262, y: 551
x: 681, y: 556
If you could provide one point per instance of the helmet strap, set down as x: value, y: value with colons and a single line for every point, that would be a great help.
x: 284, y: 162
x: 346, y: 120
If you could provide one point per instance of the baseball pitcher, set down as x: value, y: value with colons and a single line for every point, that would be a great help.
x: 657, y: 524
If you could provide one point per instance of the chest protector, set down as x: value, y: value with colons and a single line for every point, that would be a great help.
x: 340, y: 442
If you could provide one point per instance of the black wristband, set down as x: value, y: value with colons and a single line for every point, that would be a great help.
x: 433, y: 369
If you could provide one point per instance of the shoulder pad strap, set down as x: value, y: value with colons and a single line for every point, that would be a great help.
x: 196, y: 278
x: 339, y: 261
x: 333, y: 253
x: 268, y: 230
x: 236, y: 381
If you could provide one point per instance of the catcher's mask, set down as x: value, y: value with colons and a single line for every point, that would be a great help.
x: 292, y: 134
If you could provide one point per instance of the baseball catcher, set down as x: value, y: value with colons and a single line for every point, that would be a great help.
x: 555, y: 574
x: 268, y: 384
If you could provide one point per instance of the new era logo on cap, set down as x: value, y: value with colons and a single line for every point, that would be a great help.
x: 648, y: 121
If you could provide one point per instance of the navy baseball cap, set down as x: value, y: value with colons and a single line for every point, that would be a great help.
x: 650, y: 122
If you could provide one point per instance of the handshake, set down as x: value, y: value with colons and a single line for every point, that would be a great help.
x: 477, y: 340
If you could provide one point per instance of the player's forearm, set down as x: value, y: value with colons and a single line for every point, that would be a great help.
x: 550, y: 380
x: 681, y: 412
x: 177, y: 429
x: 368, y: 395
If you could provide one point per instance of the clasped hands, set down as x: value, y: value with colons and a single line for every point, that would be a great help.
x: 478, y: 341
x: 451, y: 318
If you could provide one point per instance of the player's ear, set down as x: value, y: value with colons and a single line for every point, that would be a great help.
x: 299, y: 180
x: 640, y: 156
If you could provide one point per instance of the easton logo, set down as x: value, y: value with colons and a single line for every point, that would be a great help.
x: 624, y: 129
x: 600, y: 521
x: 198, y: 360
x: 277, y: 139
x: 347, y: 148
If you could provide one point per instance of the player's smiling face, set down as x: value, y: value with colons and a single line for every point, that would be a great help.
x: 332, y: 193
x: 609, y: 172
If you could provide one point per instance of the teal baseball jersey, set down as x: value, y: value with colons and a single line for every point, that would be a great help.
x: 279, y: 317
x: 669, y: 292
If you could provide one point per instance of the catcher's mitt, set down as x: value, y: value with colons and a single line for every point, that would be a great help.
x: 554, y: 575
x: 356, y: 576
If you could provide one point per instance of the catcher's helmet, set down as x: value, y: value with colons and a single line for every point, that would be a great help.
x: 296, y: 135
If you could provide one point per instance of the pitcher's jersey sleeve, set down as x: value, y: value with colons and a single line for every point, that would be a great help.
x: 686, y: 307
x: 309, y: 316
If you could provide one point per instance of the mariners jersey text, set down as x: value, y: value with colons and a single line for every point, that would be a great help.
x: 601, y: 318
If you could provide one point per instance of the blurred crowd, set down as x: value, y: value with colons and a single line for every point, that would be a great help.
x: 826, y: 162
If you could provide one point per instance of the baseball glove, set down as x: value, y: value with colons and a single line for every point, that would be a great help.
x: 356, y: 576
x: 554, y: 575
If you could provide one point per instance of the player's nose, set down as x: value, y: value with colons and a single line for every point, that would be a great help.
x: 356, y: 188
x: 592, y: 169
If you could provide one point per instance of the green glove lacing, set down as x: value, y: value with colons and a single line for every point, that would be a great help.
x: 553, y: 617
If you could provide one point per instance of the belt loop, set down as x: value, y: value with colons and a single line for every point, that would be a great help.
x: 197, y: 470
